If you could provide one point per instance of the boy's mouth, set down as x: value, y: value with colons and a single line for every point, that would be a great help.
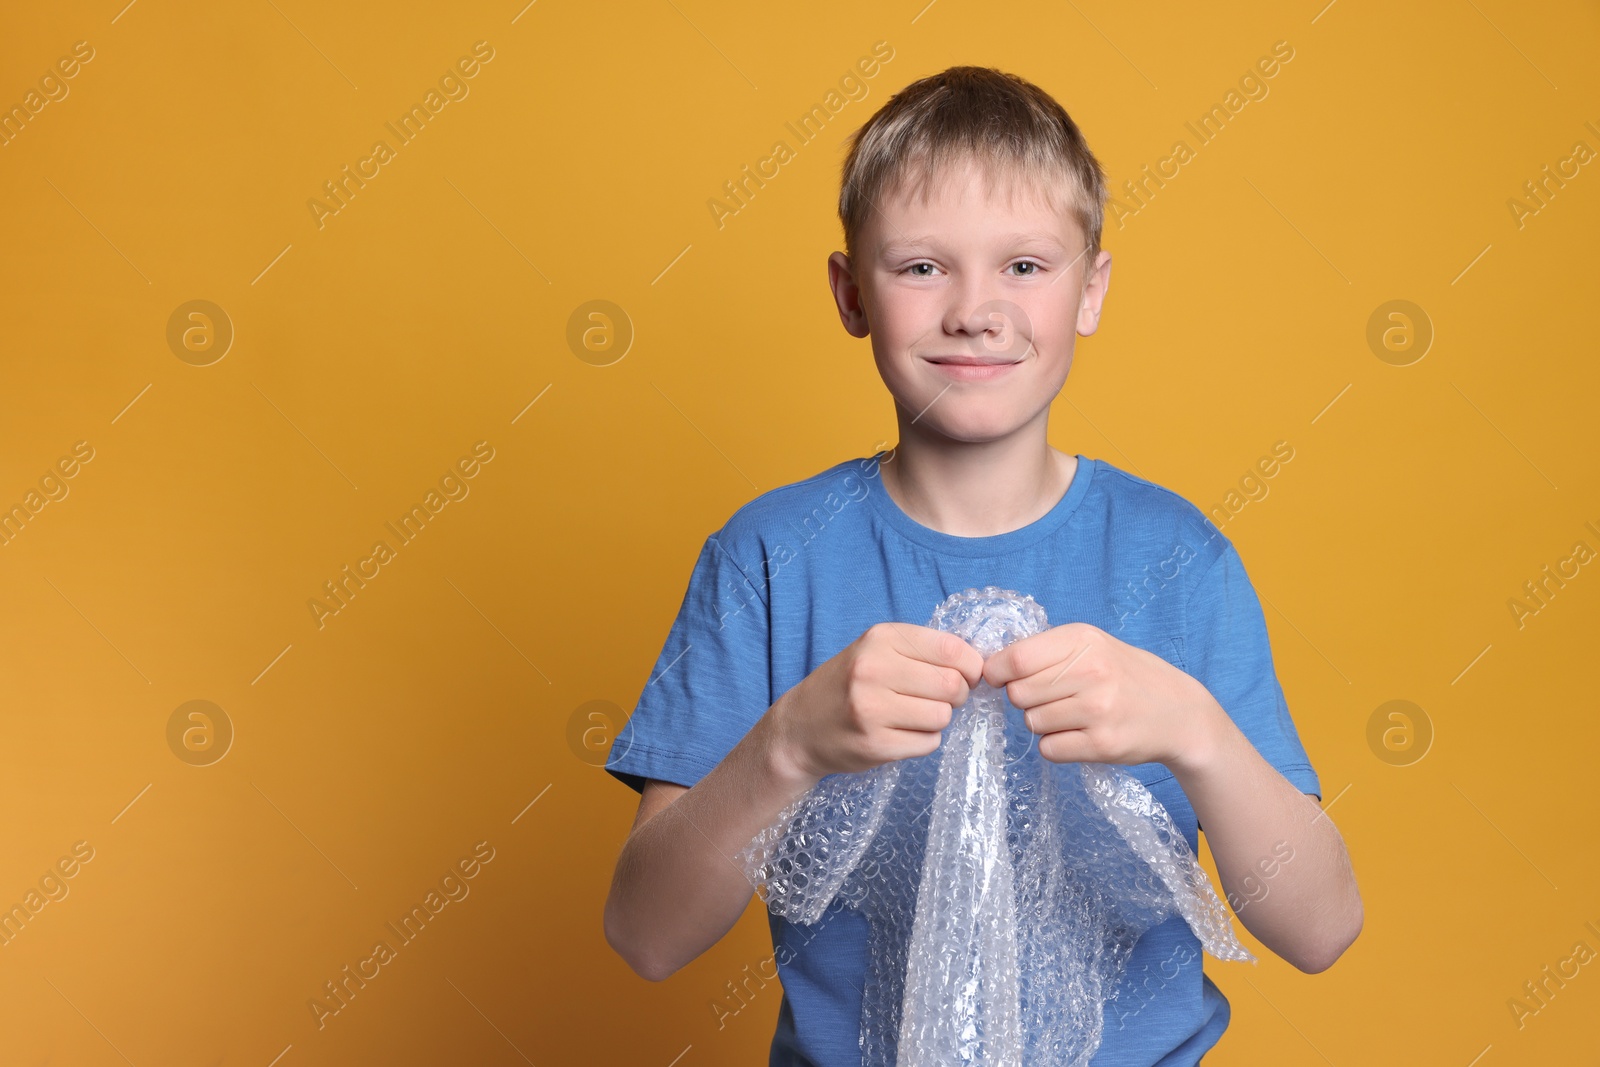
x: 972, y: 361
x: 966, y: 368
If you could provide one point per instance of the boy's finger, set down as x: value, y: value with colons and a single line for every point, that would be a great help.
x: 971, y: 666
x: 947, y: 650
x: 1000, y: 668
x: 1021, y: 657
x: 919, y: 714
x: 1070, y: 746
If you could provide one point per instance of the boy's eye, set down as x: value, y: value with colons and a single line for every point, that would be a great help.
x: 916, y: 271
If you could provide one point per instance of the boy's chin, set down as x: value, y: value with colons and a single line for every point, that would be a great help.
x: 976, y: 427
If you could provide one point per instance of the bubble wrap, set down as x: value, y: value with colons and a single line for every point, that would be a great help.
x: 1003, y: 892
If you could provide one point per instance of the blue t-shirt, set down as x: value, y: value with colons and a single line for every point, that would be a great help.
x: 801, y: 571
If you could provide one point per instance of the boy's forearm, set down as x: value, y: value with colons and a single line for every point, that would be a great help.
x: 678, y: 886
x: 1307, y: 908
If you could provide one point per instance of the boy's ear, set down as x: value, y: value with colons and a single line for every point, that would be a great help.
x: 1094, y: 293
x: 847, y: 294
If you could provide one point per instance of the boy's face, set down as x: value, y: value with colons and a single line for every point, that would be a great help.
x: 973, y: 301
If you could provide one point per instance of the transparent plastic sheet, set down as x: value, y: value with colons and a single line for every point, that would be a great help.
x: 1003, y: 892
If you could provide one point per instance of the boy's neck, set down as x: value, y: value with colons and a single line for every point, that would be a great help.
x: 968, y: 490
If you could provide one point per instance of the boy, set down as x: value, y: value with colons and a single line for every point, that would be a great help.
x: 972, y: 212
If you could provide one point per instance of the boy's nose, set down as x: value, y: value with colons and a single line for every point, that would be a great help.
x: 967, y: 310
x: 993, y: 326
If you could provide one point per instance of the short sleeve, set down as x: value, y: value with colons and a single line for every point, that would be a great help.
x: 1226, y: 649
x: 710, y: 684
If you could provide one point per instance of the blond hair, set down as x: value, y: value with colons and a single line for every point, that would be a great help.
x: 1007, y: 125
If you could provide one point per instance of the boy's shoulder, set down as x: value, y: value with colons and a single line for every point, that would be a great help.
x: 1138, y: 506
x: 824, y: 494
x: 1131, y: 510
x: 1120, y: 495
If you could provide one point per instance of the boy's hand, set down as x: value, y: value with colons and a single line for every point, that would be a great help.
x: 1094, y: 698
x: 886, y: 696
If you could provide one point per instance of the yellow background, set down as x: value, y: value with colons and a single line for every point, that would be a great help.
x: 369, y: 354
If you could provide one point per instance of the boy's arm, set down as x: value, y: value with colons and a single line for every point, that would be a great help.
x: 1309, y: 909
x: 677, y: 887
x: 1093, y: 697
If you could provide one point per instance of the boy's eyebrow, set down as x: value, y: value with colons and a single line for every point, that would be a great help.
x: 920, y: 242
